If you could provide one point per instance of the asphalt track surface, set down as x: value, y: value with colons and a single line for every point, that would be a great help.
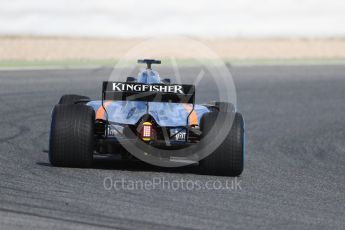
x: 294, y: 168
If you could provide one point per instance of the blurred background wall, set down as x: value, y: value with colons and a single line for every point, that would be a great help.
x: 200, y: 18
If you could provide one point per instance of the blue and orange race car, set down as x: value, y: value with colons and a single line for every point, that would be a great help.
x: 150, y: 119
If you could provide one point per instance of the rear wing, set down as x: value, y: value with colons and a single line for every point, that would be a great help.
x: 126, y: 91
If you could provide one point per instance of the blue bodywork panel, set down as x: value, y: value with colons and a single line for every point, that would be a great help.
x: 165, y: 114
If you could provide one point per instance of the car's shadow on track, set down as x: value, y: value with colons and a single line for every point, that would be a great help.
x: 142, y: 166
x: 111, y: 163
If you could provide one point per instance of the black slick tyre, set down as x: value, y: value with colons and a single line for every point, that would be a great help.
x: 71, y: 99
x: 227, y: 159
x: 71, y: 142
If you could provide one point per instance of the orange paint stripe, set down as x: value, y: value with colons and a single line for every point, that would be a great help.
x: 101, y: 112
x: 193, y: 118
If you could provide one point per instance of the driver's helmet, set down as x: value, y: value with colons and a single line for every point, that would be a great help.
x: 149, y: 76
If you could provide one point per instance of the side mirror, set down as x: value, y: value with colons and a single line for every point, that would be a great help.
x: 166, y: 81
x: 131, y: 79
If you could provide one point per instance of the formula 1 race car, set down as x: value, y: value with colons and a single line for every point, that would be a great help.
x: 152, y: 114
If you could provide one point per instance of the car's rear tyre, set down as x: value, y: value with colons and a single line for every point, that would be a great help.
x: 71, y: 99
x: 71, y: 141
x: 227, y: 159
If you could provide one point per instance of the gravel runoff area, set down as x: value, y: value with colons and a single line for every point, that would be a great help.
x: 50, y: 48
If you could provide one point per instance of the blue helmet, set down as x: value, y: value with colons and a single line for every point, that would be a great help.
x: 149, y: 76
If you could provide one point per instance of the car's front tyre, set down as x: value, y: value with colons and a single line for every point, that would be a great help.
x: 71, y: 99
